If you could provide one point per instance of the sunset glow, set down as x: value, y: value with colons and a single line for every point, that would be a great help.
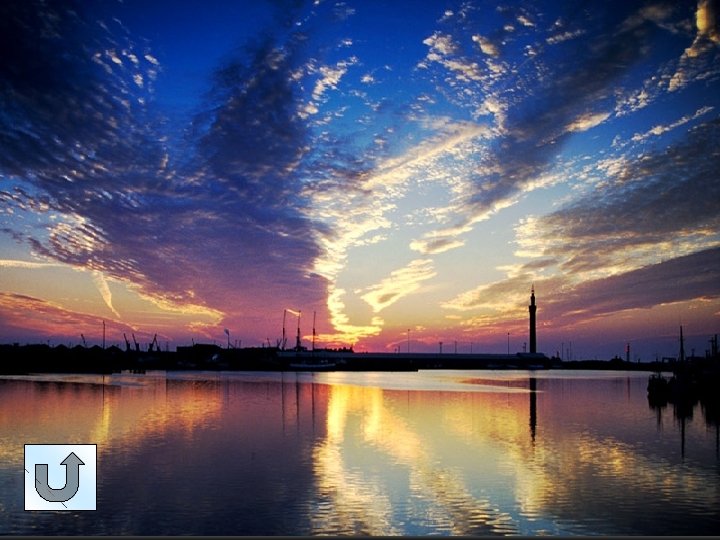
x: 403, y: 171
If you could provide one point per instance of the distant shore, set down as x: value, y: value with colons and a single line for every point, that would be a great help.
x: 41, y: 358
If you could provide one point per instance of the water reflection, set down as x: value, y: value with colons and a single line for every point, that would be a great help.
x: 469, y: 464
x: 175, y: 456
x: 684, y: 404
x: 355, y: 502
x: 426, y: 453
x: 533, y: 407
x: 113, y: 412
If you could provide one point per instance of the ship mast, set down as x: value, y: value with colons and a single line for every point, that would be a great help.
x: 682, y: 345
x: 298, y: 344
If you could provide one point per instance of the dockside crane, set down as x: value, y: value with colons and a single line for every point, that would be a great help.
x: 137, y: 345
x: 154, y: 345
x: 83, y: 340
x: 127, y: 343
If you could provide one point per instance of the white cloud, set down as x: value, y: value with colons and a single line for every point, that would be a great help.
x: 587, y: 121
x: 486, y: 46
x: 330, y: 78
x: 357, y: 214
x: 104, y: 290
x: 660, y: 129
x: 12, y: 263
x: 706, y: 39
x: 399, y: 284
x: 564, y: 36
x: 525, y: 21
x: 440, y: 45
x: 634, y: 101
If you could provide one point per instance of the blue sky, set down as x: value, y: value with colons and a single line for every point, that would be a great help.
x: 187, y: 167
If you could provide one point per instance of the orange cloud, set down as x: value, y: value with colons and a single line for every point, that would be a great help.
x: 30, y: 317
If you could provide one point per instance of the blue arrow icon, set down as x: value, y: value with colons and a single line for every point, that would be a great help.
x: 72, y: 480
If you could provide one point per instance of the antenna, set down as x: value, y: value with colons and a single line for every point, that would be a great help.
x: 284, y: 339
x: 313, y: 341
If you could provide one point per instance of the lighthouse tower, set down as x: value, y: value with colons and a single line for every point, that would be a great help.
x: 533, y: 308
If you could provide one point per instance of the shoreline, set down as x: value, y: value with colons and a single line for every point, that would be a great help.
x: 27, y: 359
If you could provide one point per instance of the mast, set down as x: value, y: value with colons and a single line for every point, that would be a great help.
x: 682, y: 345
x: 313, y: 341
x: 284, y: 339
x: 298, y: 343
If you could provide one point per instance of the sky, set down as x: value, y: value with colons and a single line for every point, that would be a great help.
x: 402, y: 173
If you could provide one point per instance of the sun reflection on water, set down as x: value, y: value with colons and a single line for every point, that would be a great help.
x: 486, y: 463
x: 364, y: 500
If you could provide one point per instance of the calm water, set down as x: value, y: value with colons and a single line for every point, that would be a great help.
x: 434, y: 452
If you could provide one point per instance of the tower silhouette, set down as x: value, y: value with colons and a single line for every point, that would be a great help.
x: 533, y: 308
